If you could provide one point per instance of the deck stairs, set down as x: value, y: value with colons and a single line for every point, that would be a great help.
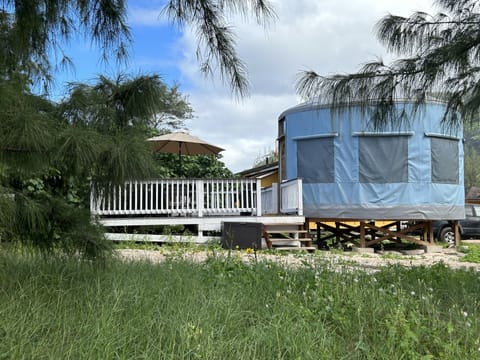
x: 287, y: 237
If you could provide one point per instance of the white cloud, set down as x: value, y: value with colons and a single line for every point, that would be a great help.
x: 329, y: 36
x: 146, y: 16
x: 245, y: 130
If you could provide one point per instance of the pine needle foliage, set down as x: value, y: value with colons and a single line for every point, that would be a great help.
x: 51, y: 155
x: 216, y: 39
x: 119, y: 113
x: 34, y: 30
x: 26, y: 135
x: 439, y: 58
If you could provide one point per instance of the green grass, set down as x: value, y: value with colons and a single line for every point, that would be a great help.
x: 472, y: 253
x: 225, y: 309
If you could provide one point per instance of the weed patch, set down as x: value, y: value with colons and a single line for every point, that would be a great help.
x: 225, y: 308
x: 472, y: 253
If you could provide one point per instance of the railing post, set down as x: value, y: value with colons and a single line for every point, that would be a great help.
x: 200, y: 205
x: 135, y: 197
x: 130, y: 194
x: 279, y: 197
x: 275, y: 198
x: 259, y: 197
x: 300, y: 196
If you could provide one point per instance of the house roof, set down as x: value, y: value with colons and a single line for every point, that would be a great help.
x: 260, y: 171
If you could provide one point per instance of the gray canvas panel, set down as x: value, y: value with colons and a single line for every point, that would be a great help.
x: 315, y: 162
x: 383, y: 159
x: 399, y: 212
x: 445, y: 168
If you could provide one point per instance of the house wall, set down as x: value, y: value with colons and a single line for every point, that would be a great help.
x: 269, y: 180
x: 342, y: 181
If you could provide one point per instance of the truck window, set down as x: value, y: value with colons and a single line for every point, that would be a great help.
x: 468, y: 211
x: 474, y: 213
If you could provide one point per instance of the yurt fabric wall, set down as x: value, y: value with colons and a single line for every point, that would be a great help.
x: 352, y: 171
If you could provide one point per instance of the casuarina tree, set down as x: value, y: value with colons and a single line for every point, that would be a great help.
x: 49, y: 151
x: 438, y: 57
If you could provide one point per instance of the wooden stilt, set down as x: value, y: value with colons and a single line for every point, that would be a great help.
x: 337, y: 234
x: 456, y: 231
x: 372, y: 232
x: 362, y: 234
x: 425, y: 232
x: 431, y: 235
x: 320, y: 242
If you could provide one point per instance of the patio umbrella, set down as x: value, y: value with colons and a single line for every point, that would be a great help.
x: 183, y: 144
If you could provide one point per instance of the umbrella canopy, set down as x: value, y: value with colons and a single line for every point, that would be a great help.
x: 183, y: 143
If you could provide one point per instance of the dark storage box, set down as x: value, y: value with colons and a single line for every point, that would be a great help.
x: 241, y: 235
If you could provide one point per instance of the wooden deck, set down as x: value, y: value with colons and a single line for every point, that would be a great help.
x: 144, y: 211
x: 200, y: 205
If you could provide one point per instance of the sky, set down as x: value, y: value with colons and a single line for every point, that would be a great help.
x: 328, y: 36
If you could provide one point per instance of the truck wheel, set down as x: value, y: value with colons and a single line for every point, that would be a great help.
x: 447, y: 235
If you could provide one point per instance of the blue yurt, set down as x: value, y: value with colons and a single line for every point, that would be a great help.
x: 351, y: 170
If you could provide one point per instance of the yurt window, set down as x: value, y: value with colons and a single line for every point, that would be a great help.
x: 445, y: 167
x: 383, y: 159
x: 315, y: 159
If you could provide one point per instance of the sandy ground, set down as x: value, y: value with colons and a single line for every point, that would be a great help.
x: 368, y: 262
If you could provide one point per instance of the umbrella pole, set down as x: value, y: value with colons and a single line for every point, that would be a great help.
x: 180, y: 173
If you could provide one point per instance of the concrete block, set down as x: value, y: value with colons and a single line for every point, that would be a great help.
x: 432, y: 249
x: 389, y: 252
x: 366, y: 250
x: 413, y: 252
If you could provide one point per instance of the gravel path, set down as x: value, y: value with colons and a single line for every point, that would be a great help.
x: 369, y: 262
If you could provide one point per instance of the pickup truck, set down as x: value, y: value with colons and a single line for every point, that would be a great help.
x: 469, y: 227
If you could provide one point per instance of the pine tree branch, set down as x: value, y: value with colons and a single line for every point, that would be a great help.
x: 216, y: 41
x: 445, y: 64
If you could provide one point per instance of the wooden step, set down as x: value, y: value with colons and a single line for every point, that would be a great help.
x: 282, y: 227
x: 290, y: 239
x: 293, y: 248
x: 286, y: 242
x: 287, y: 236
x: 287, y: 231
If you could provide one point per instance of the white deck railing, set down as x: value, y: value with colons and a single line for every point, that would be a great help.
x: 200, y: 198
x: 181, y: 197
x: 291, y: 197
x: 270, y: 199
x: 291, y: 201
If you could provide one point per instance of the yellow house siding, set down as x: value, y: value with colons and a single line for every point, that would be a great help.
x: 269, y: 180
